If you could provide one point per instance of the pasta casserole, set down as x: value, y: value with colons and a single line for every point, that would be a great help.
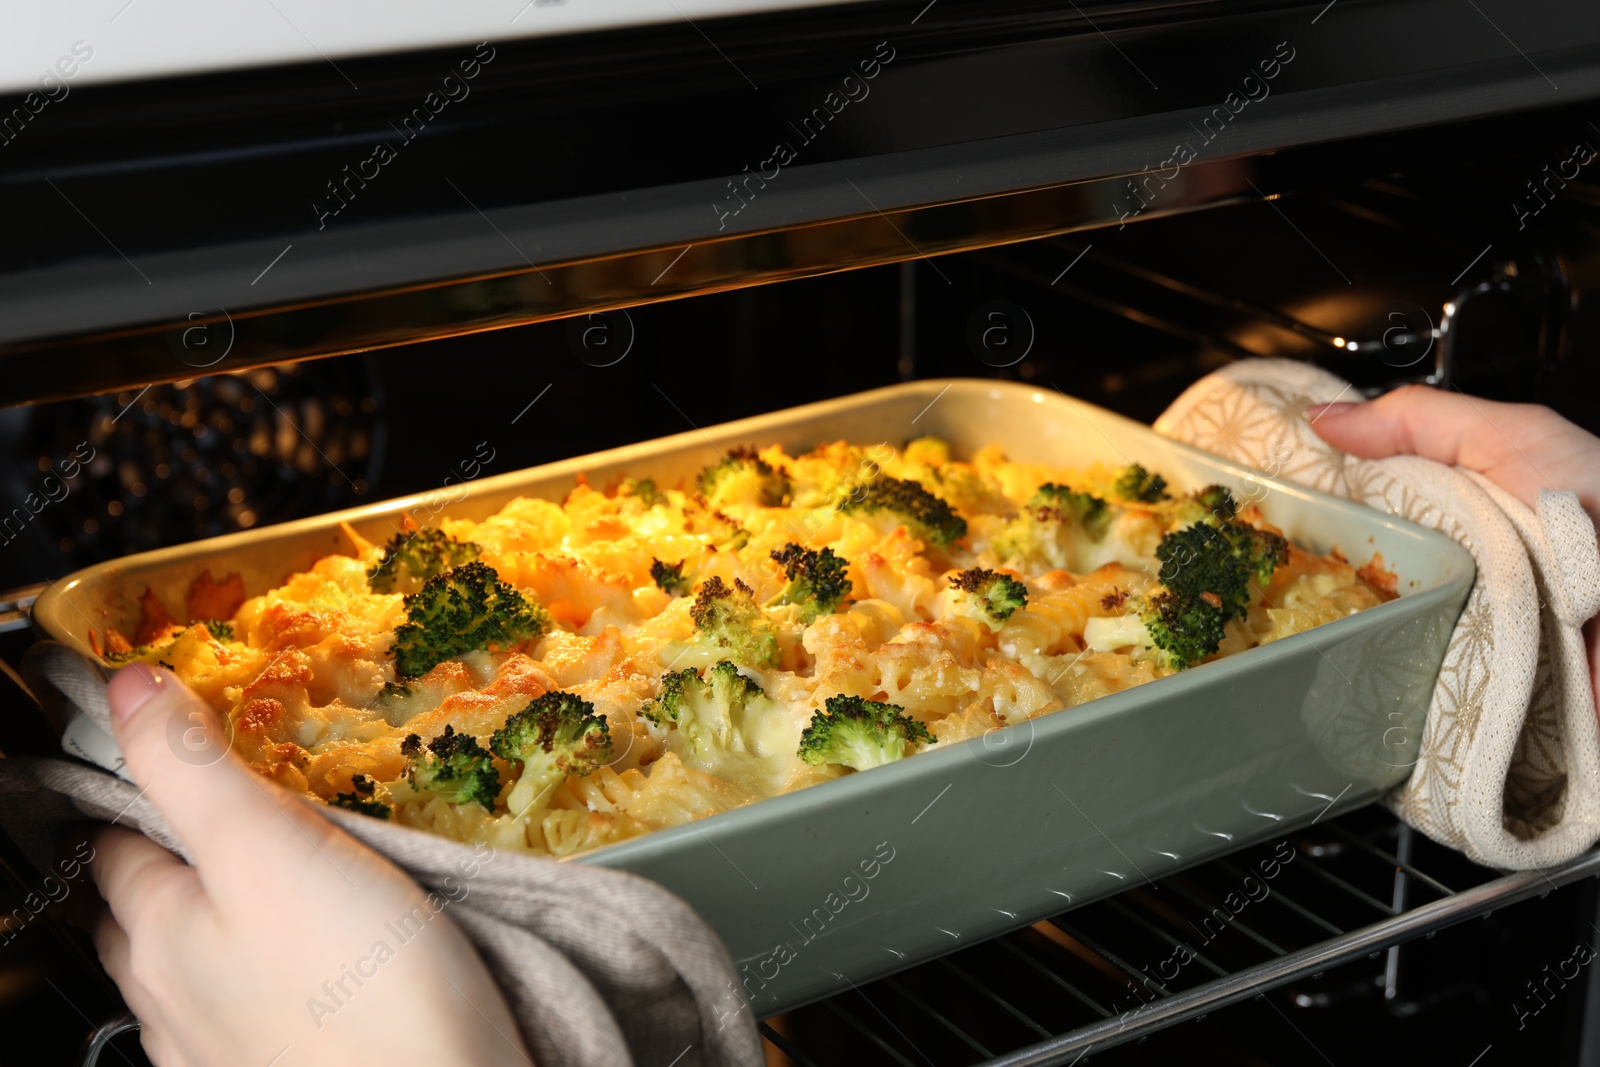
x: 562, y: 676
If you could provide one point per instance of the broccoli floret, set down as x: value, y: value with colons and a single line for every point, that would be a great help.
x: 150, y: 653
x: 1208, y: 571
x: 925, y: 515
x: 1136, y: 483
x: 363, y: 799
x: 1218, y: 503
x: 721, y: 533
x: 1219, y: 563
x: 460, y: 611
x: 220, y: 629
x: 159, y: 652
x: 1174, y: 629
x: 669, y: 577
x: 989, y: 596
x: 742, y: 477
x: 729, y: 618
x: 663, y: 708
x: 402, y: 701
x: 643, y: 490
x: 709, y: 712
x: 556, y: 735
x: 1091, y: 514
x: 1185, y: 629
x: 1039, y: 538
x: 860, y: 734
x: 817, y: 580
x: 1212, y: 505
x: 453, y: 767
x: 409, y: 561
x: 820, y: 477
x: 1052, y: 528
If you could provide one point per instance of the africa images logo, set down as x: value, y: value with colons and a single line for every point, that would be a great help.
x: 453, y: 89
x: 852, y: 89
x: 1252, y: 89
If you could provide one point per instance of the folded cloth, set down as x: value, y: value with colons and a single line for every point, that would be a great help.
x: 1509, y: 771
x: 650, y: 985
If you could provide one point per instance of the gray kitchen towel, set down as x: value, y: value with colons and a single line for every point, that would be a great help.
x: 600, y: 967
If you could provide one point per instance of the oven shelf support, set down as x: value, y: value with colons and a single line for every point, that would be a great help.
x: 1346, y: 948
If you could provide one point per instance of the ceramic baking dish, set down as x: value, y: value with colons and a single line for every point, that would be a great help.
x: 857, y: 877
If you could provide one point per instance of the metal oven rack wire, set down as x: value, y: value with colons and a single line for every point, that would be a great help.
x: 1116, y: 971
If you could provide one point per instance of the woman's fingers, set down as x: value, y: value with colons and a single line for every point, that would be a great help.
x: 1417, y: 421
x: 140, y: 880
x: 177, y: 751
x: 112, y: 945
x: 1522, y: 448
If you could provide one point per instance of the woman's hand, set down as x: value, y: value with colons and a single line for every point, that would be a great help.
x: 1522, y: 448
x: 287, y: 942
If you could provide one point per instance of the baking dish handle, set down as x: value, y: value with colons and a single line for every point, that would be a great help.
x: 101, y: 1037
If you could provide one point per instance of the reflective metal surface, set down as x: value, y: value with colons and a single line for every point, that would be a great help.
x: 1307, y: 927
x: 609, y: 170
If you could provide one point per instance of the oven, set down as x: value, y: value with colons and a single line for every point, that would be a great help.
x: 236, y: 294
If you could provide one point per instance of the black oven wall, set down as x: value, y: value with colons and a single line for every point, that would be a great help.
x: 1360, y: 277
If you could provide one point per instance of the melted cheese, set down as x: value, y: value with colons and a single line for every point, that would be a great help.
x: 303, y: 684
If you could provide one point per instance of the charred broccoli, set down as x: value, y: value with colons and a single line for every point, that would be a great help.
x: 556, y: 735
x: 462, y: 610
x: 1136, y: 483
x: 742, y: 477
x: 989, y: 595
x: 363, y: 798
x: 1185, y: 629
x: 709, y: 711
x: 669, y: 577
x: 1178, y: 630
x: 409, y: 561
x: 1220, y: 563
x: 924, y: 514
x: 1208, y: 571
x: 860, y: 734
x: 1090, y: 513
x: 720, y: 533
x: 729, y: 618
x: 817, y: 580
x: 453, y: 767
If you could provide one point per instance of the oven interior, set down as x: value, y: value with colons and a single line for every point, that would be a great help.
x: 1416, y: 275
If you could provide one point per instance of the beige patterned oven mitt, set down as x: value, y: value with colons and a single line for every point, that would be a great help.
x: 1509, y: 771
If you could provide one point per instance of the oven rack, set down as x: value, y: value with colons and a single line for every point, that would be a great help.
x: 1404, y: 332
x: 1115, y: 971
